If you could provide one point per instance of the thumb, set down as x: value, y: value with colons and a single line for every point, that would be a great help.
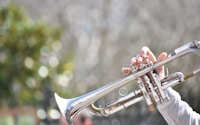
x: 161, y: 70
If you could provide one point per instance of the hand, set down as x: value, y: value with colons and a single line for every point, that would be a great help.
x: 139, y: 59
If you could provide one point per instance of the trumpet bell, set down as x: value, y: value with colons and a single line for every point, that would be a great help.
x: 67, y: 108
x: 61, y: 102
x: 63, y: 105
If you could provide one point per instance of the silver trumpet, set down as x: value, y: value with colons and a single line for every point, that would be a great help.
x: 151, y: 88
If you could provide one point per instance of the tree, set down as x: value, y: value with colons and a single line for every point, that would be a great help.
x: 27, y: 58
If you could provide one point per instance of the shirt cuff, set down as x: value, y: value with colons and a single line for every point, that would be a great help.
x: 173, y: 96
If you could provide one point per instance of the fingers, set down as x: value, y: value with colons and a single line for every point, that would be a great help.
x: 127, y: 70
x: 145, y: 51
x: 140, y: 58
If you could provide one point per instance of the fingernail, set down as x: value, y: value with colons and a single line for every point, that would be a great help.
x: 139, y: 60
x: 124, y: 70
x: 142, y: 53
x: 133, y: 60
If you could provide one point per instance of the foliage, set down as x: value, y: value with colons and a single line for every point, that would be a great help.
x: 27, y: 61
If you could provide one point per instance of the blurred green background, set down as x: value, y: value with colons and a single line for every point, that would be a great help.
x: 73, y: 47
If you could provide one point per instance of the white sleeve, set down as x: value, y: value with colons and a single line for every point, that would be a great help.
x: 177, y: 112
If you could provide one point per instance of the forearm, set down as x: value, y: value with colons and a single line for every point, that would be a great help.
x: 178, y: 112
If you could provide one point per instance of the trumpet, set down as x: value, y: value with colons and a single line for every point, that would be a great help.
x: 151, y: 87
